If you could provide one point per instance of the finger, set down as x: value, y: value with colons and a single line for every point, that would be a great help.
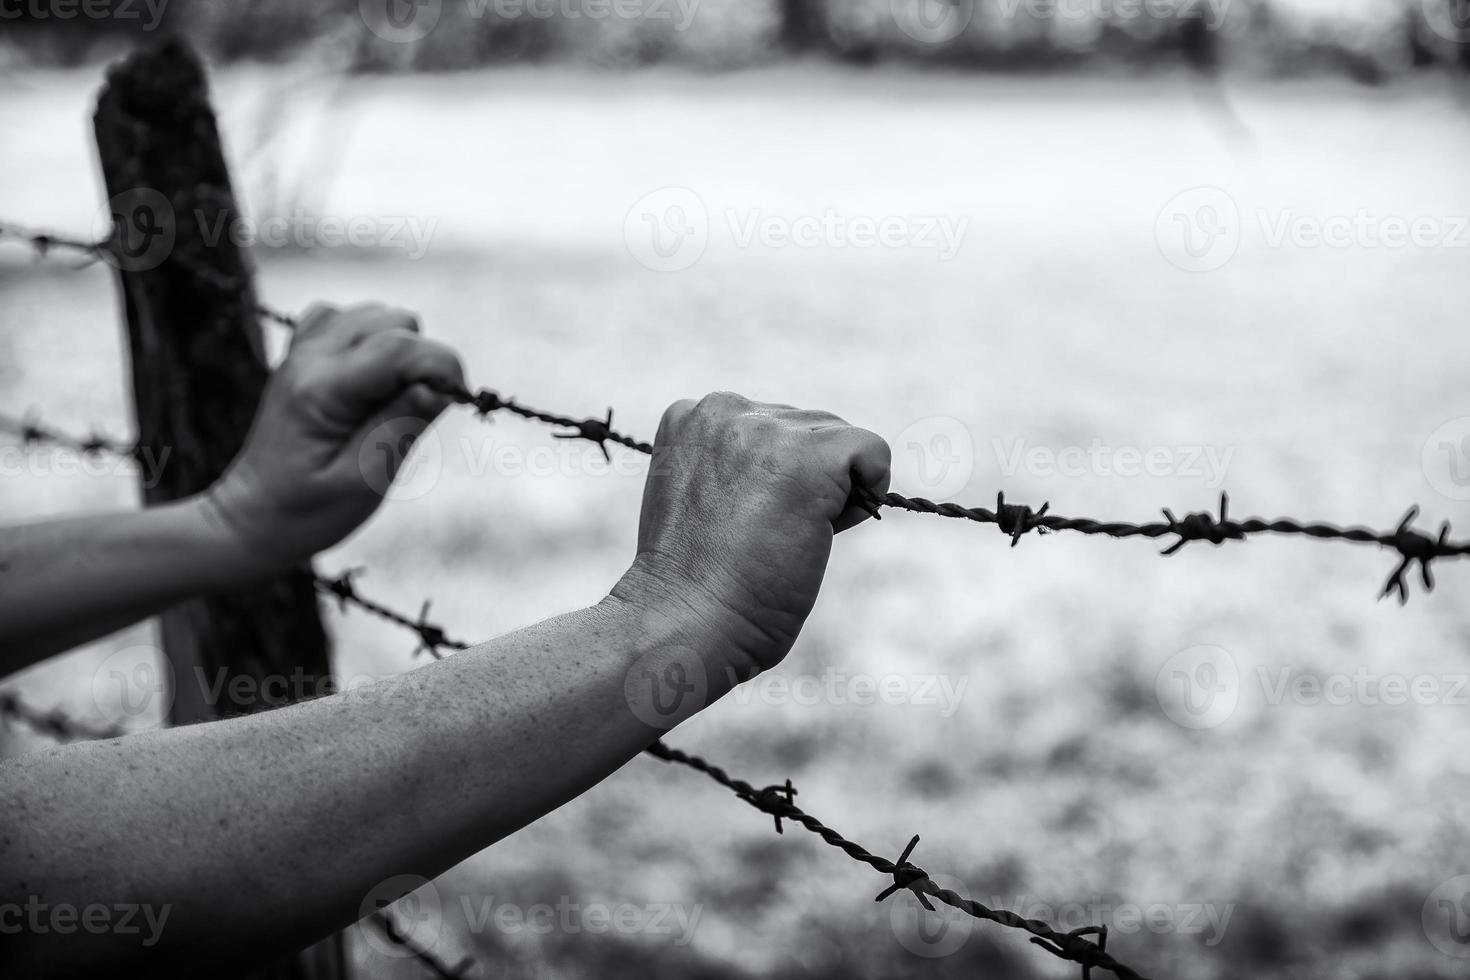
x: 347, y: 328
x: 859, y: 457
x: 673, y: 421
x: 815, y: 421
x: 409, y: 413
x: 313, y: 323
x: 380, y: 369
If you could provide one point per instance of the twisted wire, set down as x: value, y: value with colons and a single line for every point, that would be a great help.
x: 1414, y: 547
x: 778, y: 801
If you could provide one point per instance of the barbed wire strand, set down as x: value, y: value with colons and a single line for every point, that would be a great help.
x: 1014, y: 520
x: 1414, y: 547
x: 778, y: 801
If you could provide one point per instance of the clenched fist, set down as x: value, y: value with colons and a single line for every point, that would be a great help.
x: 299, y: 484
x: 739, y: 511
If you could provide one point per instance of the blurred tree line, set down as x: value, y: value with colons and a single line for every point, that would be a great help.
x: 1368, y: 39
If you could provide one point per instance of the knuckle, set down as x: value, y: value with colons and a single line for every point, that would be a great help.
x: 721, y: 402
x: 882, y: 450
x: 674, y: 417
x: 319, y: 310
x: 392, y: 343
x: 399, y: 319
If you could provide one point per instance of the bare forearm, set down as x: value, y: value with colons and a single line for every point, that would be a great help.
x: 261, y: 834
x: 65, y: 582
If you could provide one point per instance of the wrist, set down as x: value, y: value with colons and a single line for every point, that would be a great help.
x: 242, y: 556
x: 672, y: 610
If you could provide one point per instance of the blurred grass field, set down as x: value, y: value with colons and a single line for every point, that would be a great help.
x: 1060, y: 777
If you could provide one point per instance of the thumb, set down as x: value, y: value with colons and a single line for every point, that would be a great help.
x: 384, y: 369
x: 394, y: 429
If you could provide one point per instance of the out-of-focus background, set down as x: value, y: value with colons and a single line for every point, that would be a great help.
x: 1115, y: 256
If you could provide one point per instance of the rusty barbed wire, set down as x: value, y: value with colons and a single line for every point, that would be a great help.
x: 44, y: 243
x: 1014, y: 520
x: 32, y: 432
x: 432, y: 638
x: 1414, y: 547
x: 779, y: 802
x: 55, y: 722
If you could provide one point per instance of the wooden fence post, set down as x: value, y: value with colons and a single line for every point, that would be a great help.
x: 198, y: 364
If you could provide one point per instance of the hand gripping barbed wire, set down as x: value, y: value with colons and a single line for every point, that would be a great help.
x: 779, y: 802
x: 1414, y: 547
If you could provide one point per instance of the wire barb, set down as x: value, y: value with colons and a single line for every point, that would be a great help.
x: 910, y: 876
x: 1203, y: 527
x: 775, y: 800
x: 432, y: 638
